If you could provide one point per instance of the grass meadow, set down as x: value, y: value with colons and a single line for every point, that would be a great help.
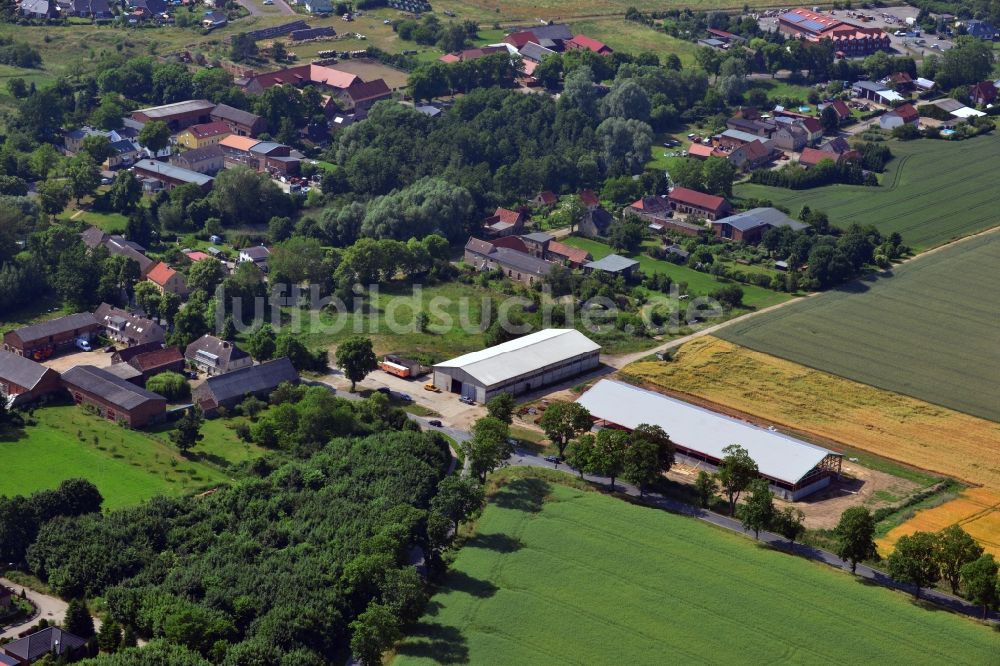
x: 559, y: 575
x: 829, y: 408
x: 931, y: 193
x: 127, y: 466
x: 530, y: 11
x: 699, y: 284
x: 928, y: 331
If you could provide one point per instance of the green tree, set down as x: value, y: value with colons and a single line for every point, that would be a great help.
x: 78, y: 620
x: 187, y: 432
x: 719, y: 175
x: 206, y: 275
x: 501, y: 406
x: 579, y: 453
x: 242, y: 47
x: 788, y: 523
x: 261, y: 343
x: 147, y: 297
x: 488, y: 448
x: 53, y: 195
x: 626, y: 100
x: 290, y: 345
x: 84, y: 176
x: 955, y: 549
x: 154, y: 136
x: 125, y: 192
x: 129, y: 639
x: 373, y: 633
x: 608, y: 456
x: 830, y: 120
x: 650, y: 455
x: 982, y: 587
x: 563, y: 421
x: 625, y: 145
x: 98, y: 147
x: 914, y: 560
x: 856, y: 536
x: 458, y: 499
x: 736, y: 471
x: 356, y: 358
x: 705, y: 486
x: 109, y: 638
x: 757, y: 513
x: 626, y: 235
x: 171, y: 385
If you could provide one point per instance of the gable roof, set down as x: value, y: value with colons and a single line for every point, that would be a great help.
x: 161, y: 274
x: 362, y: 92
x: 237, y: 142
x: 199, y: 154
x: 573, y: 254
x: 697, y: 199
x: 759, y: 217
x: 840, y: 106
x: 600, y: 218
x: 650, y: 203
x: 157, y: 358
x: 703, y: 151
x: 813, y: 156
x: 584, y: 42
x: 174, y: 172
x: 534, y: 51
x: 478, y: 246
x: 21, y: 371
x: 93, y: 236
x: 547, y: 197
x: 589, y: 198
x: 837, y: 144
x: 499, y: 363
x: 214, y: 128
x: 169, y: 110
x: 55, y: 326
x: 507, y: 215
x: 234, y: 115
x: 521, y: 261
x: 812, y: 124
x: 252, y: 379
x: 554, y: 31
x: 108, y: 387
x: 210, y: 348
x: 335, y: 78
x: 612, y: 263
x: 139, y: 329
x: 739, y: 135
x: 256, y: 252
x: 907, y: 112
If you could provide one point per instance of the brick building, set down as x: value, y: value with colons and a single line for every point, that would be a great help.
x: 23, y: 381
x: 114, y: 398
x: 49, y: 336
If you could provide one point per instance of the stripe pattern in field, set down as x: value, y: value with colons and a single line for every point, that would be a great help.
x: 932, y: 192
x: 929, y: 331
x: 976, y: 510
x: 587, y: 579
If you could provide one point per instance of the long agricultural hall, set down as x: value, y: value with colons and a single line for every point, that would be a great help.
x: 794, y: 468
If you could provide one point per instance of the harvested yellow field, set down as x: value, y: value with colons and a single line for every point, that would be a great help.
x: 977, y: 510
x: 885, y: 423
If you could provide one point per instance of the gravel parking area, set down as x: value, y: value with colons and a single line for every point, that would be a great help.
x: 64, y: 362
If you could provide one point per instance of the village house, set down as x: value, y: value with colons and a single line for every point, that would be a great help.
x: 789, y: 137
x: 167, y: 359
x: 117, y: 245
x: 208, y: 160
x: 230, y: 389
x: 753, y: 155
x: 258, y: 254
x: 546, y: 199
x: 588, y: 44
x: 553, y: 37
x: 241, y: 123
x: 840, y: 108
x: 696, y: 203
x: 983, y: 93
x: 515, y: 264
x: 215, y: 356
x: 62, y: 646
x: 810, y: 157
x: 503, y: 222
x: 205, y: 134
x: 595, y: 222
x: 906, y: 114
x: 749, y: 226
x: 114, y: 398
x: 40, y: 340
x: 156, y: 175
x: 127, y: 328
x: 167, y: 280
x: 847, y: 38
x: 126, y: 354
x: 23, y: 380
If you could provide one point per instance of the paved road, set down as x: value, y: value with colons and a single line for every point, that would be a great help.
x: 282, y: 8
x: 528, y: 459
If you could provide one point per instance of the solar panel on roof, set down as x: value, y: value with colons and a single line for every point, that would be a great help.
x: 793, y: 18
x: 813, y: 25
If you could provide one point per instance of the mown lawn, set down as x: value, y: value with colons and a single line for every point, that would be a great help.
x: 929, y: 331
x: 699, y: 284
x: 632, y: 37
x: 557, y: 575
x: 931, y: 193
x: 127, y: 466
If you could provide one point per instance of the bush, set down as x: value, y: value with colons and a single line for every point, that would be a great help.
x: 170, y: 385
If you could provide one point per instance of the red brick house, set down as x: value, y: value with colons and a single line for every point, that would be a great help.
x: 114, y: 398
x: 983, y: 93
x: 168, y: 359
x: 23, y: 381
x: 503, y: 222
x: 40, y: 340
x: 692, y: 202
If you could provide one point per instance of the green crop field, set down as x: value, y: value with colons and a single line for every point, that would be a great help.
x: 929, y: 331
x: 932, y: 192
x: 699, y: 284
x: 127, y: 466
x: 550, y: 10
x: 557, y: 575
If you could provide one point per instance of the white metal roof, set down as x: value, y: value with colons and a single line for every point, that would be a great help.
x: 966, y: 112
x: 777, y: 456
x: 529, y: 353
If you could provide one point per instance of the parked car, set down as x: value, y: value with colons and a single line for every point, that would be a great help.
x: 468, y: 401
x: 384, y: 389
x: 106, y: 181
x: 84, y: 344
x: 432, y: 388
x: 404, y: 397
x: 435, y: 423
x: 553, y: 459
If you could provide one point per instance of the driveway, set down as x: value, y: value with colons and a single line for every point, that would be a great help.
x: 51, y: 608
x: 64, y: 362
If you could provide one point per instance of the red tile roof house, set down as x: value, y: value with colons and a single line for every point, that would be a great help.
x: 812, y: 156
x: 590, y: 199
x: 574, y: 257
x: 983, y: 93
x: 840, y: 108
x: 167, y: 279
x: 546, y: 198
x: 906, y: 114
x: 697, y: 203
x: 168, y: 359
x: 23, y: 381
x: 503, y: 222
x: 49, y: 336
x: 752, y: 155
x: 584, y: 42
x: 114, y: 398
x: 814, y: 129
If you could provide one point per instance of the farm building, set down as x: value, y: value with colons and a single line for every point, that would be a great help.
x: 216, y: 356
x: 230, y: 389
x: 208, y: 160
x: 23, y: 381
x: 795, y: 469
x: 156, y: 175
x: 203, y: 134
x: 178, y: 115
x: 527, y: 363
x: 114, y: 398
x: 168, y: 359
x: 749, y: 226
x: 614, y: 264
x: 697, y: 203
x: 242, y: 123
x: 117, y: 245
x: 49, y: 336
x: 847, y: 38
x: 123, y: 326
